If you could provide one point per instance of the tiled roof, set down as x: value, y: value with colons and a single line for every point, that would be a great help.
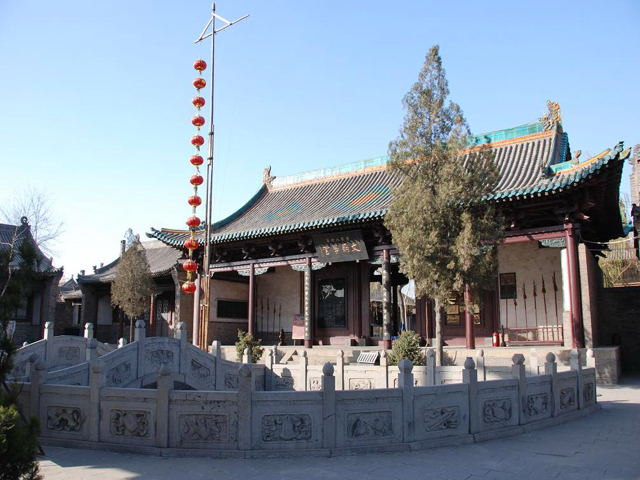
x: 533, y: 162
x: 15, y: 235
x: 161, y: 260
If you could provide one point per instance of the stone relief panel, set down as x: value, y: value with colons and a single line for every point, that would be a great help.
x: 231, y: 381
x: 315, y: 384
x: 444, y: 418
x: 497, y: 411
x: 283, y: 383
x: 129, y: 423
x: 196, y: 427
x: 199, y: 371
x: 360, y: 384
x: 567, y: 398
x: 155, y: 359
x: 120, y: 374
x: 537, y: 404
x: 19, y: 369
x: 286, y: 428
x: 588, y: 392
x: 368, y: 425
x: 65, y: 419
x: 69, y: 354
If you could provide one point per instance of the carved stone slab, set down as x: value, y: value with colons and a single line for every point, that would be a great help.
x: 65, y: 419
x: 370, y: 419
x: 129, y: 423
x: 160, y: 352
x: 499, y: 404
x: 120, y: 366
x: 128, y: 419
x: 286, y: 427
x: 287, y: 423
x: 441, y: 411
x: 539, y: 402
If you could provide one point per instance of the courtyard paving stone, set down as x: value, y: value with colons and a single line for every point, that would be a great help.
x: 604, y: 445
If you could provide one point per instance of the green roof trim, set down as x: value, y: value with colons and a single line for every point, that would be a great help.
x: 330, y: 172
x: 558, y: 167
x: 505, y: 134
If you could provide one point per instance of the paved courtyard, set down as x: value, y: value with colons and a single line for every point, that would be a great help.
x: 605, y: 445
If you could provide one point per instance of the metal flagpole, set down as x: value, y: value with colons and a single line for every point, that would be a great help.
x: 210, y: 31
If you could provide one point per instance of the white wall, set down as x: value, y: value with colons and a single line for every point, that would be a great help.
x: 530, y: 264
x: 225, y: 290
x: 277, y: 300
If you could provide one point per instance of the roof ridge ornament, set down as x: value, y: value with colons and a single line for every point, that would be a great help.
x: 267, y: 178
x: 552, y: 118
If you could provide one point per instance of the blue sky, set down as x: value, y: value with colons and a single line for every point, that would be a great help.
x: 95, y: 96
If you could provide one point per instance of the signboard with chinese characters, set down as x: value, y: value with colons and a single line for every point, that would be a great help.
x: 340, y: 247
x: 297, y: 327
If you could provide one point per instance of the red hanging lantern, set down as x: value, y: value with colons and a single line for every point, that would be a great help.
x: 194, y: 200
x: 190, y: 266
x: 199, y: 83
x: 197, y: 140
x: 196, y: 160
x: 191, y: 243
x: 200, y: 65
x: 188, y: 287
x: 198, y: 120
x: 193, y: 221
x: 196, y: 180
x: 198, y: 102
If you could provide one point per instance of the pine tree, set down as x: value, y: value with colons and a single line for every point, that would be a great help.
x: 446, y: 234
x: 133, y: 284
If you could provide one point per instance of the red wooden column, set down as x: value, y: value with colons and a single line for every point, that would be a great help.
x: 251, y: 315
x: 386, y: 300
x: 468, y: 319
x: 308, y: 323
x: 577, y: 329
x: 195, y: 330
x: 152, y: 317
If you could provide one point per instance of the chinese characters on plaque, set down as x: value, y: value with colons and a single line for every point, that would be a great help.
x: 340, y: 247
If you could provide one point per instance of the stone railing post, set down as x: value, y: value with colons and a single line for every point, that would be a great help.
x: 38, y: 377
x: 91, y: 352
x: 405, y: 382
x: 384, y: 365
x: 244, y: 407
x: 576, y: 366
x: 216, y: 351
x: 533, y: 362
x: 96, y: 382
x: 246, y: 356
x: 518, y: 371
x: 49, y: 337
x: 271, y: 354
x: 304, y: 365
x: 140, y: 332
x: 431, y: 367
x: 551, y: 368
x: 340, y: 369
x: 88, y: 330
x: 591, y: 358
x: 328, y: 406
x: 482, y: 371
x: 165, y: 385
x: 470, y: 377
x: 181, y: 332
x: 122, y: 342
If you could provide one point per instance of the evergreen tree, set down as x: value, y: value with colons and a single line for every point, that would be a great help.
x: 446, y: 234
x: 133, y: 284
x: 18, y: 438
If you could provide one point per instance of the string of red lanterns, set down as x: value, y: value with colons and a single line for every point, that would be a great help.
x: 191, y: 244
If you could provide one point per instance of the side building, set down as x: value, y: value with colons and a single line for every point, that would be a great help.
x: 309, y: 253
x: 39, y: 304
x: 165, y: 305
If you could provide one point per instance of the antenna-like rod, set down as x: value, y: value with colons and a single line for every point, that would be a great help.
x: 210, y: 31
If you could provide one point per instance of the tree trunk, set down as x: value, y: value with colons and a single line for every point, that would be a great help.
x: 438, y: 340
x: 130, y: 329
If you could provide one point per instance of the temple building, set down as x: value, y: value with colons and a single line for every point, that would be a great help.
x: 309, y: 253
x: 39, y: 303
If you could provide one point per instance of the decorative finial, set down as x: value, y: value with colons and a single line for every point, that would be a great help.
x: 553, y: 118
x: 267, y: 178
